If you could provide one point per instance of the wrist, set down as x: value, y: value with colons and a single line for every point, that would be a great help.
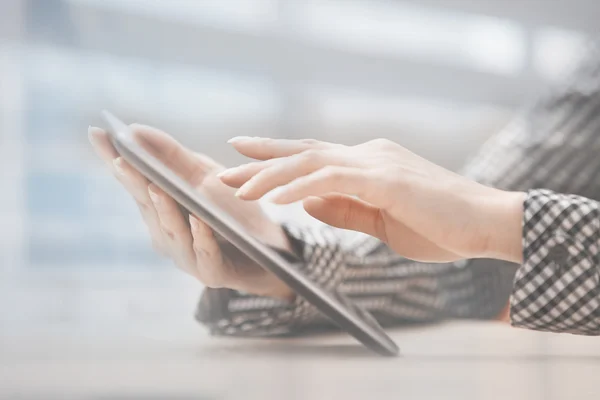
x: 504, y: 218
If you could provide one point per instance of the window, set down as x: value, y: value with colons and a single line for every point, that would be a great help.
x: 393, y: 28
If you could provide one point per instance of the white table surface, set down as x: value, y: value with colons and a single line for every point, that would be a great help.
x: 462, y: 360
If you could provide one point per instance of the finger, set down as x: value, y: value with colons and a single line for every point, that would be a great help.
x: 134, y: 182
x: 288, y: 169
x: 137, y: 186
x: 237, y: 176
x: 182, y: 161
x: 335, y: 179
x: 266, y: 148
x: 346, y: 212
x: 209, y: 260
x: 176, y: 233
x: 102, y: 145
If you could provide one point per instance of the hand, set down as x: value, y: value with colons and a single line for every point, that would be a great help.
x: 194, y: 248
x: 423, y: 211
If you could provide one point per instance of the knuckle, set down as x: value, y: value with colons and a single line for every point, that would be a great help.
x: 381, y: 143
x: 311, y: 155
x: 310, y: 142
x: 200, y: 250
x: 167, y: 232
x: 332, y: 172
x: 157, y: 197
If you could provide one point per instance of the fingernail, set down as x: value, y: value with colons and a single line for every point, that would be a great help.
x: 118, y: 164
x: 193, y: 223
x: 241, y: 192
x: 239, y: 139
x: 91, y: 137
x: 153, y: 195
x: 227, y: 172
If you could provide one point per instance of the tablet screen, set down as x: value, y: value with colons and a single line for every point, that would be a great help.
x: 155, y: 156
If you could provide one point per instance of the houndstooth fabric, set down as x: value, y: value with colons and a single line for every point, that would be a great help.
x: 232, y: 313
x: 557, y: 288
x: 553, y: 145
x: 392, y: 288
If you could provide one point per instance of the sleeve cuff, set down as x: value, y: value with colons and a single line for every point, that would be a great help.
x: 557, y: 287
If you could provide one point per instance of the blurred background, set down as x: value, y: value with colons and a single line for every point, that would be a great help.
x: 438, y: 76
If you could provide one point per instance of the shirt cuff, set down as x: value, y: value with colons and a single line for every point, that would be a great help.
x: 557, y: 287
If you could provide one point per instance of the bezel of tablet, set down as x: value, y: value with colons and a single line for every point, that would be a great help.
x: 335, y: 306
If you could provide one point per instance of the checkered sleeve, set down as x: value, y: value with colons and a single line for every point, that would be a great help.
x: 232, y: 313
x: 391, y: 288
x: 557, y: 288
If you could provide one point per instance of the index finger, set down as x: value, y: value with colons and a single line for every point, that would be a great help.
x: 267, y: 148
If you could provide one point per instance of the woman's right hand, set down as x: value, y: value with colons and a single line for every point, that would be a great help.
x: 420, y: 209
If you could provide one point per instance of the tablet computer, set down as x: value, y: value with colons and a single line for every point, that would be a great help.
x: 349, y: 317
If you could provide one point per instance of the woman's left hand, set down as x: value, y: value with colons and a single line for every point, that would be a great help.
x: 192, y: 245
x: 420, y: 209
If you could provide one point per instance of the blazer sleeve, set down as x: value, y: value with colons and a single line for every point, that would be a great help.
x: 393, y: 289
x: 557, y: 287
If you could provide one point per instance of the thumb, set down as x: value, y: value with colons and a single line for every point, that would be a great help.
x: 346, y: 212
